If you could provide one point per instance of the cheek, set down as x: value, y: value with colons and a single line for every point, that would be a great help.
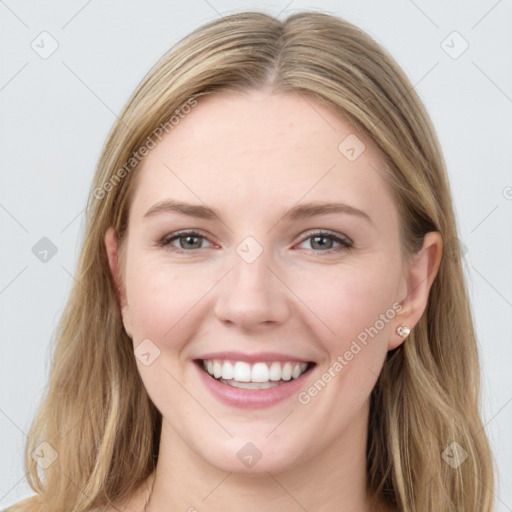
x: 356, y: 303
x: 350, y: 302
x: 163, y: 303
x: 159, y: 296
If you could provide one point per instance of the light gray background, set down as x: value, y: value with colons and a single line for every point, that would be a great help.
x: 56, y: 113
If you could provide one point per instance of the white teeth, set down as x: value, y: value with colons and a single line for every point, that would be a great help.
x: 259, y: 373
x: 217, y: 369
x: 242, y: 372
x: 249, y: 385
x: 286, y: 372
x: 296, y: 372
x: 275, y: 371
x: 227, y: 370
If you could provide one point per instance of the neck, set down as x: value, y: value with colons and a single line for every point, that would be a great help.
x: 334, y: 480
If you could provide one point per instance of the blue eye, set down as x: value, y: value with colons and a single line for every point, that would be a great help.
x: 188, y: 241
x: 324, y: 242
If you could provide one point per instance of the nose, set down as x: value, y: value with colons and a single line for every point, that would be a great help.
x: 252, y: 295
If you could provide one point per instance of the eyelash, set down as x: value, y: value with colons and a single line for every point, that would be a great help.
x: 345, y: 243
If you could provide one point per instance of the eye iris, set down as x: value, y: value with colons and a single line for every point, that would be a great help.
x: 322, y: 245
x: 190, y: 238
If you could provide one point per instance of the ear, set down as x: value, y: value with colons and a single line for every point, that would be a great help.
x: 418, y: 279
x: 112, y: 249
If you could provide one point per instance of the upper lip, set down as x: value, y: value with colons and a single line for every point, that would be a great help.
x: 252, y: 358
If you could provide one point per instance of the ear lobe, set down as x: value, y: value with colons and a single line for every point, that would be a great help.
x: 419, y: 277
x: 111, y: 247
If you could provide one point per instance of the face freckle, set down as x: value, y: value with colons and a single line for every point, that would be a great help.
x: 260, y: 282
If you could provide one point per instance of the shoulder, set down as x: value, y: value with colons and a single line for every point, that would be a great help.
x: 134, y: 503
x: 31, y: 504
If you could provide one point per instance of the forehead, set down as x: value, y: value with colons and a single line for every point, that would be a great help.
x: 257, y: 150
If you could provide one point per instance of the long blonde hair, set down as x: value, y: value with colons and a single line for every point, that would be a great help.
x: 96, y: 414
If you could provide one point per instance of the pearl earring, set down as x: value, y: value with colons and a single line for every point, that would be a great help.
x: 403, y: 331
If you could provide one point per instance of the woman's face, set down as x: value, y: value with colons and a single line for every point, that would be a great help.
x: 272, y: 284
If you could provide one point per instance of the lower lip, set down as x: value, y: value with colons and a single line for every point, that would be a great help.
x: 252, y: 398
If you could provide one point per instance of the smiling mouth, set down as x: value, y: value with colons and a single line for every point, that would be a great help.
x: 258, y: 375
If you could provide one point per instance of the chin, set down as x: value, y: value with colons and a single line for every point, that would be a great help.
x: 245, y: 457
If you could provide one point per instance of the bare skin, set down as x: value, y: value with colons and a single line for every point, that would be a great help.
x: 252, y: 157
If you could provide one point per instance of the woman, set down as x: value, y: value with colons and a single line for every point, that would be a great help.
x: 263, y: 317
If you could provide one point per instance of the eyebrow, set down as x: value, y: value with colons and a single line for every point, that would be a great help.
x: 192, y: 210
x: 313, y: 209
x: 298, y: 212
